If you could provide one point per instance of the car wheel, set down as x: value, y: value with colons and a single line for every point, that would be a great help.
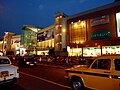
x: 77, y: 84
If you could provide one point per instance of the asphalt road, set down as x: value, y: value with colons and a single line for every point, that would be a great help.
x: 40, y: 78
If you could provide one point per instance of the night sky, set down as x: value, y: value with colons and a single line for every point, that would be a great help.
x: 40, y: 13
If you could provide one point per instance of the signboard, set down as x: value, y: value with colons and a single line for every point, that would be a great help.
x: 47, y: 35
x: 99, y: 20
x: 104, y: 34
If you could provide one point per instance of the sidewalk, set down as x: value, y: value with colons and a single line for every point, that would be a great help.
x: 56, y: 64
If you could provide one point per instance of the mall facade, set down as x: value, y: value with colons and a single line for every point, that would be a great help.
x: 91, y: 33
x: 88, y: 34
x: 94, y: 32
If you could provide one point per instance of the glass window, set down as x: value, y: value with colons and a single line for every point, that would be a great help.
x: 102, y: 64
x: 111, y: 50
x: 117, y: 64
x: 4, y: 61
x: 78, y: 32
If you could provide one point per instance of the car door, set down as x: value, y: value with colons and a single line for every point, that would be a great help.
x: 99, y: 76
x: 116, y: 74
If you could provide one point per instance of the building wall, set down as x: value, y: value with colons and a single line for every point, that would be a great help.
x: 45, y: 40
x: 29, y: 39
x: 7, y: 42
x: 102, y: 27
x: 98, y: 36
x: 60, y: 34
x: 15, y: 44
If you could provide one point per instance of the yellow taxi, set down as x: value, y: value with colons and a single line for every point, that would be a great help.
x: 102, y: 74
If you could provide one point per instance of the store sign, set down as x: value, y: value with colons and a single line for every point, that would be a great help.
x: 100, y: 35
x: 47, y: 35
x: 99, y: 20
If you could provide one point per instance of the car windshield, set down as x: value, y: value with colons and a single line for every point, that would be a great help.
x: 86, y: 62
x: 4, y: 61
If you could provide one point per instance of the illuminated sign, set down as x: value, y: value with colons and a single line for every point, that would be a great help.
x: 47, y: 35
x: 99, y: 20
x: 104, y: 34
x: 118, y: 23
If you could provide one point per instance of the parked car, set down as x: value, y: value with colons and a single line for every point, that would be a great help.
x: 8, y: 72
x: 26, y: 62
x: 102, y: 74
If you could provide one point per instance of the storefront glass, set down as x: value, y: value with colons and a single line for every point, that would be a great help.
x: 111, y: 50
x: 78, y: 32
x: 42, y: 52
x: 22, y: 51
x: 46, y: 44
x: 91, y: 52
x: 75, y: 52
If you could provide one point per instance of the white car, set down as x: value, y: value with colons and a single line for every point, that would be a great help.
x: 102, y: 74
x: 8, y: 72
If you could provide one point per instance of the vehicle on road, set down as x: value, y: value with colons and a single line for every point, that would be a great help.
x: 102, y: 74
x: 27, y: 62
x: 8, y: 72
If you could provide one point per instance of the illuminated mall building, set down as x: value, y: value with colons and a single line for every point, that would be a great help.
x: 94, y: 32
x: 28, y: 43
x: 45, y: 39
x: 91, y: 33
x: 10, y: 44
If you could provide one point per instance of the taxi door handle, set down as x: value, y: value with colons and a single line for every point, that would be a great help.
x: 106, y: 72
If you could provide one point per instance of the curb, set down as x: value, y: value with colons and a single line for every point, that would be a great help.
x: 55, y: 66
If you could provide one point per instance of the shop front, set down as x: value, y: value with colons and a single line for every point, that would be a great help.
x: 97, y: 51
x: 45, y: 52
x: 111, y: 49
x: 102, y: 47
x: 75, y: 52
x: 91, y: 51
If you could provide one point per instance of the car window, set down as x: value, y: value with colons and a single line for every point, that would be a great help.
x: 102, y: 64
x: 86, y: 62
x: 117, y: 64
x: 4, y: 61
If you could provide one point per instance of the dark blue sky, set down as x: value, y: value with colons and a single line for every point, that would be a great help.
x: 16, y: 13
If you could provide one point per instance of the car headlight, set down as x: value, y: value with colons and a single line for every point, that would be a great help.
x: 27, y: 62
